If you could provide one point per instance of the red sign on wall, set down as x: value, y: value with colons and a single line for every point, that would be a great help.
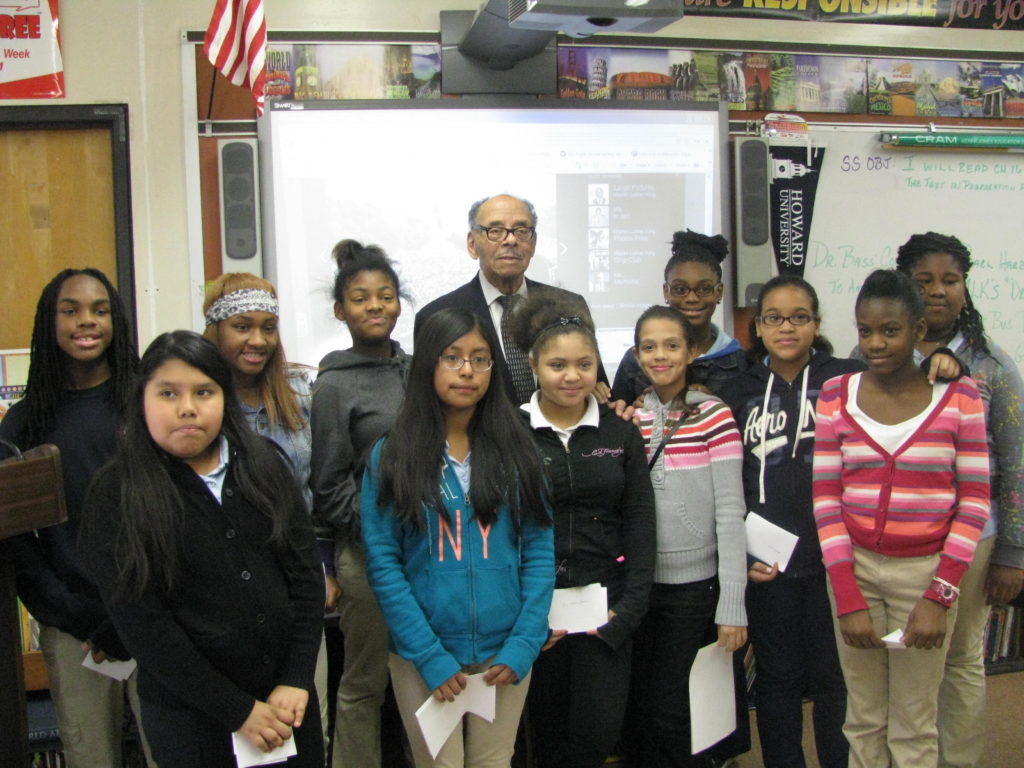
x: 31, y: 65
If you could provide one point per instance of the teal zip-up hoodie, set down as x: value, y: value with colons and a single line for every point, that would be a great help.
x: 456, y: 592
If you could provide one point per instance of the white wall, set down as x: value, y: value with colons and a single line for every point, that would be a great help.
x: 130, y: 51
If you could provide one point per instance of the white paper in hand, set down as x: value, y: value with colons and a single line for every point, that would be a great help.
x: 118, y: 670
x: 894, y: 640
x: 246, y: 754
x: 579, y: 609
x: 712, y: 697
x: 768, y: 542
x: 438, y: 719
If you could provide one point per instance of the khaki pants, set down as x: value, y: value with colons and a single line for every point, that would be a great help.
x: 892, y: 694
x: 962, y: 694
x: 475, y: 742
x: 364, y: 679
x: 89, y: 706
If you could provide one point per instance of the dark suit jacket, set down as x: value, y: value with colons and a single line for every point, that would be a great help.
x: 471, y: 296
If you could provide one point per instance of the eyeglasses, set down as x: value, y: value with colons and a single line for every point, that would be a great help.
x: 479, y: 363
x: 774, y: 321
x: 701, y: 291
x: 497, y: 234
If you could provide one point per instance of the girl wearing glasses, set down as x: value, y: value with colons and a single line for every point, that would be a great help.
x: 939, y: 264
x: 773, y: 402
x: 458, y: 541
x: 604, y: 534
x: 693, y: 286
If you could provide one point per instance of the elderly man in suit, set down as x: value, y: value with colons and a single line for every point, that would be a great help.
x: 502, y: 237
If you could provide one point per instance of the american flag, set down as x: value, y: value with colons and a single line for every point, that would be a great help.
x: 236, y: 44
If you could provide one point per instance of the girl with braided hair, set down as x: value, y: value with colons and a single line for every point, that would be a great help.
x: 693, y: 287
x: 939, y: 264
x: 79, y: 380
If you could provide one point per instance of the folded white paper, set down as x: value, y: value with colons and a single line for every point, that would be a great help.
x: 894, y: 639
x: 579, y: 609
x: 246, y: 754
x: 438, y: 719
x: 768, y: 542
x: 712, y: 697
x: 119, y: 670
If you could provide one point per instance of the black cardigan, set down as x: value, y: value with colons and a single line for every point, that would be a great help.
x: 243, y: 615
x: 604, y: 510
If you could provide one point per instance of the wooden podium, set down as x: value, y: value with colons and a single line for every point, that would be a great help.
x: 31, y: 497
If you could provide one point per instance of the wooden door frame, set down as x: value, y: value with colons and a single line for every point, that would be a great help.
x: 115, y: 118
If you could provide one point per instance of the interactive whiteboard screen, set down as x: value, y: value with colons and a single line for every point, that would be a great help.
x: 610, y: 186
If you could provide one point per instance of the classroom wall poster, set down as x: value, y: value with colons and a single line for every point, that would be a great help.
x: 31, y: 66
x: 318, y: 71
x: 964, y: 14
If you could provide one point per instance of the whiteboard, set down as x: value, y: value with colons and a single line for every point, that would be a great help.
x: 870, y: 200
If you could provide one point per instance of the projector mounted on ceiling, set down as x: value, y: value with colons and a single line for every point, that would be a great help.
x: 582, y: 18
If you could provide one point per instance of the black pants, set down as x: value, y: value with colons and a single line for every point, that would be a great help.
x: 680, y: 621
x: 577, y: 700
x: 795, y: 652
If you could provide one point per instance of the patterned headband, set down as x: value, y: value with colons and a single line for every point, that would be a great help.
x: 237, y: 302
x: 561, y: 322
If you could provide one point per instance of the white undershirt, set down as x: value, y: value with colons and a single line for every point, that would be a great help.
x: 890, y: 437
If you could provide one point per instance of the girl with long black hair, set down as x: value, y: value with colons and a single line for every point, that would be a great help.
x: 198, y: 539
x: 458, y: 540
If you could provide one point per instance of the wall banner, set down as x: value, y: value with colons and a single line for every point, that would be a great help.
x: 795, y: 172
x: 965, y: 14
x: 31, y: 65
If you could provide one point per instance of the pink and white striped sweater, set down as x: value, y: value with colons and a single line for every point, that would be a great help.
x: 931, y: 495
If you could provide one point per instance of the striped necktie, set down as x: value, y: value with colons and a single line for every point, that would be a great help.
x: 515, y: 358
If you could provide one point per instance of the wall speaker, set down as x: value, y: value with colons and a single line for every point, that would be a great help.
x: 755, y: 263
x: 241, y: 249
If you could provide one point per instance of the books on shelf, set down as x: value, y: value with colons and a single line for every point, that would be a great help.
x: 1002, y: 635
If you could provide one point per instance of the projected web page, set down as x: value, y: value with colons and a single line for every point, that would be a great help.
x: 610, y: 187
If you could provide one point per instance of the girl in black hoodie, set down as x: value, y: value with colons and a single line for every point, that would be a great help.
x: 790, y: 621
x: 773, y: 402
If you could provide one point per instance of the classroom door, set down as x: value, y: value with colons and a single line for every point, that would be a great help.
x: 56, y: 211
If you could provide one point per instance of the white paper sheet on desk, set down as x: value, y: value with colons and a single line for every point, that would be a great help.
x: 119, y: 670
x: 768, y: 542
x: 579, y: 609
x: 246, y: 754
x: 712, y: 697
x: 438, y: 719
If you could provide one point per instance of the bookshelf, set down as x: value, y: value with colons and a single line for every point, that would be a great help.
x: 1002, y: 646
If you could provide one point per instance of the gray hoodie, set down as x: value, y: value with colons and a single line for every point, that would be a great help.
x: 355, y: 401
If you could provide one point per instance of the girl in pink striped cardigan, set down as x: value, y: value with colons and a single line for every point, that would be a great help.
x: 901, y: 495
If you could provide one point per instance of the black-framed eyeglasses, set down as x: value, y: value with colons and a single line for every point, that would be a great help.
x: 478, y: 363
x: 497, y: 234
x: 701, y: 291
x: 796, y: 320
